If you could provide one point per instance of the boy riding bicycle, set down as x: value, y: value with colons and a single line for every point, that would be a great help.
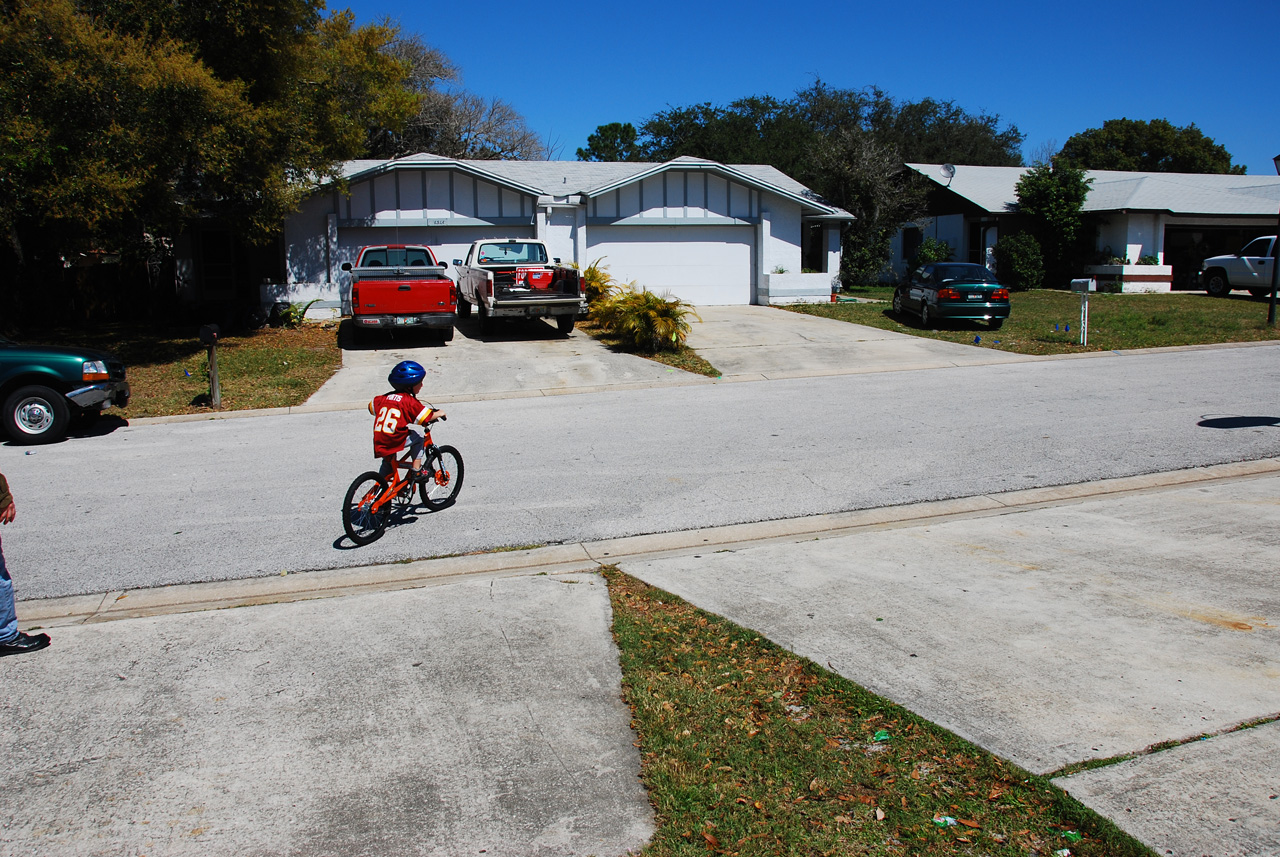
x: 395, y: 411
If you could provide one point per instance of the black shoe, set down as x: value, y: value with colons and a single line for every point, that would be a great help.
x: 24, y: 643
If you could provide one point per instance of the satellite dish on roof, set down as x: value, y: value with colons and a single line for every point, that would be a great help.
x: 948, y: 172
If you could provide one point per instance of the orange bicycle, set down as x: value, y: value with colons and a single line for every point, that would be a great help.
x: 373, y: 497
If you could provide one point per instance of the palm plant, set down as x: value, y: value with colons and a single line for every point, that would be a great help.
x: 644, y: 321
x: 596, y: 280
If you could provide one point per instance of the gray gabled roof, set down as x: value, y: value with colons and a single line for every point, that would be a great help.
x: 992, y: 189
x: 592, y: 178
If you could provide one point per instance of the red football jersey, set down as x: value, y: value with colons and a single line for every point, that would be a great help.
x: 392, y: 415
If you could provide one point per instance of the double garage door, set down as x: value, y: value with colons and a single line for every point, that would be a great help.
x: 704, y: 265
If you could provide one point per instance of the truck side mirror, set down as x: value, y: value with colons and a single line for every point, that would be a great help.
x: 457, y: 261
x: 346, y: 266
x: 556, y: 260
x: 442, y: 264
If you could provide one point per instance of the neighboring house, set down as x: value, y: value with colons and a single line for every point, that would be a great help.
x: 1179, y: 218
x: 707, y: 232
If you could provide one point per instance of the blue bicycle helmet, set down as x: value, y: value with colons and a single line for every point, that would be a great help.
x: 406, y: 375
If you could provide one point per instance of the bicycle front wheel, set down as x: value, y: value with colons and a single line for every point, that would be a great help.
x: 362, y: 522
x: 443, y: 480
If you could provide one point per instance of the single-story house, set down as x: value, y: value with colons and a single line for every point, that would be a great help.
x: 707, y: 232
x: 1180, y: 219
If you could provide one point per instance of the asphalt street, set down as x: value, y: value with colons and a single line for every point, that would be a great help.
x: 158, y: 504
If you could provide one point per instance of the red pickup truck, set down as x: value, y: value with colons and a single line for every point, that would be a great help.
x: 401, y: 287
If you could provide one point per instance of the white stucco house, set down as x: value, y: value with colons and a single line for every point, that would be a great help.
x: 1180, y: 219
x: 707, y: 232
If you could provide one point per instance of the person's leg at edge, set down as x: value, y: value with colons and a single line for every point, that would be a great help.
x: 8, y: 614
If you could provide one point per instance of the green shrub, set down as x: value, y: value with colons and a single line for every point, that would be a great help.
x: 931, y: 250
x: 1149, y: 260
x: 596, y: 280
x: 1019, y: 263
x: 643, y: 321
x: 290, y: 315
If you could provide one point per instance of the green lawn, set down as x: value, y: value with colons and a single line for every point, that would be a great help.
x: 168, y: 370
x: 749, y: 749
x: 1040, y: 320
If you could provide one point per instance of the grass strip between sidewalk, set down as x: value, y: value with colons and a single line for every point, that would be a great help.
x: 749, y: 749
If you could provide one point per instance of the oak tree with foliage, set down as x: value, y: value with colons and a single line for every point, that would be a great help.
x: 120, y: 121
x: 1157, y: 146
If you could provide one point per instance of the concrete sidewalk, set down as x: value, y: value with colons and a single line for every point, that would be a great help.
x: 471, y: 703
x: 1057, y: 635
x: 476, y: 717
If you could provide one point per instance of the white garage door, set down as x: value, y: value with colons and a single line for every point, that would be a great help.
x: 704, y: 265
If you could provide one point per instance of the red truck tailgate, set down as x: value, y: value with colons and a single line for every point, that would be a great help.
x: 405, y: 296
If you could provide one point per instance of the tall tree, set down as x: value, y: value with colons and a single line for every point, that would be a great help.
x: 1051, y: 200
x: 615, y: 141
x: 122, y: 119
x: 1157, y: 146
x: 848, y: 145
x: 450, y: 121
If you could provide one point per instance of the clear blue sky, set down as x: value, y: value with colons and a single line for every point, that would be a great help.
x: 1052, y: 70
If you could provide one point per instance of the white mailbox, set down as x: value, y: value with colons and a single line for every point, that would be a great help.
x: 1089, y: 285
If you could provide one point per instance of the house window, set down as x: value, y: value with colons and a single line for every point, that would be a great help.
x: 911, y: 239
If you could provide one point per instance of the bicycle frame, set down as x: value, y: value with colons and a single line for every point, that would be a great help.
x: 404, y: 464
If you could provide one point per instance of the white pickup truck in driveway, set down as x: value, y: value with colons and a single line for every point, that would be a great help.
x: 517, y: 278
x: 1249, y: 269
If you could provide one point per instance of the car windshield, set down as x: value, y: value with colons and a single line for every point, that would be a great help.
x: 513, y: 253
x: 396, y: 257
x: 964, y: 274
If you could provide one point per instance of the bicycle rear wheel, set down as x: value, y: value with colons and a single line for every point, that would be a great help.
x: 443, y: 478
x: 362, y: 522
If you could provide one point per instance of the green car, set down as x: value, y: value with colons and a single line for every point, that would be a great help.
x: 946, y: 291
x: 45, y: 388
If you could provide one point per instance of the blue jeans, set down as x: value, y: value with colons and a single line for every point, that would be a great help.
x: 8, y: 616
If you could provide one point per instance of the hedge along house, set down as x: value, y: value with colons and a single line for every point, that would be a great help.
x: 1179, y: 219
x: 709, y: 233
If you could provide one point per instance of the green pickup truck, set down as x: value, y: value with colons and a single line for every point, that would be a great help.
x: 45, y: 388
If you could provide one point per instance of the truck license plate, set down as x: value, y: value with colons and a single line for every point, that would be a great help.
x: 536, y: 310
x: 406, y: 319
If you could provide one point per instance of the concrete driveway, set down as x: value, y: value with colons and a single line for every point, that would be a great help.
x: 746, y: 343
x: 758, y: 342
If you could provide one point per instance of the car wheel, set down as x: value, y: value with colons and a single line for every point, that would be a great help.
x: 925, y: 321
x: 486, y: 322
x: 36, y: 415
x: 464, y: 307
x: 565, y: 323
x: 897, y: 303
x: 1216, y: 283
x: 445, y: 334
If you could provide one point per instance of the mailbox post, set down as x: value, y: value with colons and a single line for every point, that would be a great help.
x: 1084, y: 287
x: 209, y: 338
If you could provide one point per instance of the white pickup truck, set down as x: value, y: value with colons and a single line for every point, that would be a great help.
x: 517, y: 278
x: 1249, y: 269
